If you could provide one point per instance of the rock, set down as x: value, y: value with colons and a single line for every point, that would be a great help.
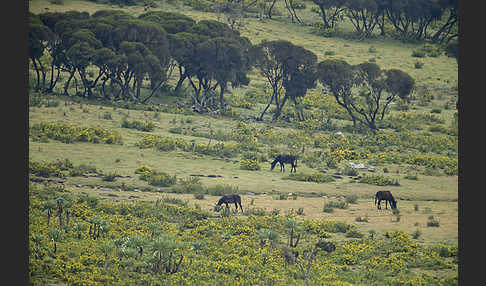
x: 337, y: 176
x: 371, y: 170
x: 339, y: 133
x: 356, y: 166
x: 250, y: 193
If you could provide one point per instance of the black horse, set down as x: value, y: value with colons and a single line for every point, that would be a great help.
x: 284, y: 158
x: 388, y: 197
x: 231, y: 199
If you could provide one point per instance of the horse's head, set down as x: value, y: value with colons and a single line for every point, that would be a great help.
x: 221, y: 201
x: 273, y: 165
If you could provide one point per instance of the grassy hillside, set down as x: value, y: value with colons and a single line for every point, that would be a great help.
x: 121, y: 177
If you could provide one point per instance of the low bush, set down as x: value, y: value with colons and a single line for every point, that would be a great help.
x: 249, y: 164
x: 339, y: 204
x: 70, y: 133
x: 317, y: 177
x: 432, y: 222
x: 379, y: 180
x: 162, y: 179
x: 352, y: 199
x: 154, y: 177
x: 146, y: 126
x: 353, y: 233
x: 110, y: 177
x: 45, y: 169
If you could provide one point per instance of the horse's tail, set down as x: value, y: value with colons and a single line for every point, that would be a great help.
x: 376, y: 198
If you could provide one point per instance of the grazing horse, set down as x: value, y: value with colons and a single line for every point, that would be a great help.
x: 283, y: 158
x: 230, y: 199
x: 387, y: 196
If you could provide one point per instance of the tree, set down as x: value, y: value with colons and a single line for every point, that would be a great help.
x: 62, y: 25
x: 164, y: 254
x: 300, y: 77
x: 398, y: 83
x: 338, y: 77
x: 370, y: 104
x: 83, y: 45
x: 449, y: 28
x: 372, y: 83
x: 412, y: 17
x: 289, y: 4
x: 224, y: 61
x: 212, y: 56
x: 364, y: 15
x: 331, y: 11
x: 39, y: 36
x: 55, y: 234
x: 285, y: 66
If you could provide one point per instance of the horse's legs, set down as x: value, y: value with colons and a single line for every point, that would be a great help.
x: 240, y: 207
x: 386, y: 204
x: 379, y: 204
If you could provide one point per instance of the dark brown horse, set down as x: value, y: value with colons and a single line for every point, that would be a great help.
x: 388, y: 197
x: 284, y: 158
x: 231, y: 199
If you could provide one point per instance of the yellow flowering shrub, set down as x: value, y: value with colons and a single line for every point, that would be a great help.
x: 142, y: 237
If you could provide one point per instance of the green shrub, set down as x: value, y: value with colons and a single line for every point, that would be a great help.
x: 432, y: 222
x: 327, y: 209
x: 175, y: 201
x: 379, y: 180
x: 418, y: 53
x: 107, y: 115
x: 353, y: 233
x: 317, y: 177
x: 110, y: 177
x: 340, y: 204
x: 139, y: 125
x: 349, y: 171
x: 162, y: 179
x: 249, y: 164
x: 416, y: 234
x: 45, y: 169
x: 352, y: 199
x: 413, y: 177
x: 418, y: 65
x: 220, y: 190
x: 199, y: 196
x: 256, y: 211
x: 70, y: 133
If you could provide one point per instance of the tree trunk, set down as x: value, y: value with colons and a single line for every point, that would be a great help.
x: 221, y: 95
x: 279, y: 108
x: 66, y: 85
x: 38, y: 74
x: 270, y: 9
x: 265, y: 110
x: 182, y: 77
